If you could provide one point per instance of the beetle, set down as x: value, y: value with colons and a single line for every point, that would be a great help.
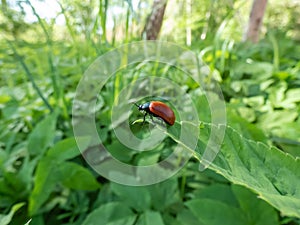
x: 158, y: 109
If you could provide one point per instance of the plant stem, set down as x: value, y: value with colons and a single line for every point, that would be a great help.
x: 30, y: 76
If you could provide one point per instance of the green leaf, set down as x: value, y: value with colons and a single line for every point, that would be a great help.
x: 49, y: 172
x: 218, y: 192
x: 187, y: 217
x: 113, y: 213
x: 258, y: 70
x: 137, y: 198
x: 4, y: 98
x: 42, y: 135
x: 164, y: 194
x: 149, y: 218
x: 148, y: 157
x: 24, y: 177
x: 37, y: 220
x: 262, y: 215
x: 213, y: 212
x: 5, y: 219
x: 77, y: 177
x: 290, y: 146
x: 247, y: 113
x: 52, y: 169
x: 125, y: 155
x: 45, y: 179
x: 293, y: 95
x: 275, y: 119
x: 249, y: 130
x: 233, y: 204
x: 272, y: 174
x: 66, y: 149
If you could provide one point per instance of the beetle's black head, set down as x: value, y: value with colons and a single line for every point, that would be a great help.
x: 144, y: 106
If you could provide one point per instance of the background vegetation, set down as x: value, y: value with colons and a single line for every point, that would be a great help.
x: 45, y: 180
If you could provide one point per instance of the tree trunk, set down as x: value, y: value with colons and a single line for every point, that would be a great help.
x: 255, y: 20
x: 154, y: 22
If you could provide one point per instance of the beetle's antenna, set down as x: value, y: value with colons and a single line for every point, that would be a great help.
x: 136, y: 104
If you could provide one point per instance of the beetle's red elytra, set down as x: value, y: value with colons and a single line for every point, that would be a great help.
x: 158, y: 109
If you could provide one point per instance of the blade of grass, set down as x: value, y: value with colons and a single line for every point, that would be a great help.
x: 103, y: 14
x: 73, y: 36
x: 127, y: 25
x: 54, y: 76
x: 275, y: 51
x: 56, y: 82
x: 30, y: 76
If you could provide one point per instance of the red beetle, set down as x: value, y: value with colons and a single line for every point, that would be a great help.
x: 158, y: 109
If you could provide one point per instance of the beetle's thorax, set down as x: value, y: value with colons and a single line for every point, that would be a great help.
x: 144, y: 107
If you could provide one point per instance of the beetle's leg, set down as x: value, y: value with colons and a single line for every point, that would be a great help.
x: 161, y: 121
x: 144, y: 118
x: 152, y: 119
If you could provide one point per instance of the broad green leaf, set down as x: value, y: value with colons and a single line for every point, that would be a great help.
x: 135, y: 197
x: 5, y: 219
x: 214, y: 212
x: 149, y: 218
x: 258, y: 70
x: 49, y: 172
x: 201, y: 102
x: 169, y: 219
x: 199, y: 180
x: 66, y: 149
x: 255, y: 101
x: 290, y: 133
x: 293, y: 95
x: 160, y: 196
x: 290, y: 146
x: 77, y: 177
x: 42, y: 135
x: 248, y: 130
x: 218, y: 192
x: 209, y: 206
x: 46, y: 177
x: 113, y: 213
x: 164, y: 194
x: 247, y: 113
x: 11, y: 110
x: 148, y: 158
x: 52, y: 169
x: 187, y: 217
x: 272, y: 174
x: 277, y: 94
x: 262, y: 215
x: 275, y: 119
x: 125, y: 155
